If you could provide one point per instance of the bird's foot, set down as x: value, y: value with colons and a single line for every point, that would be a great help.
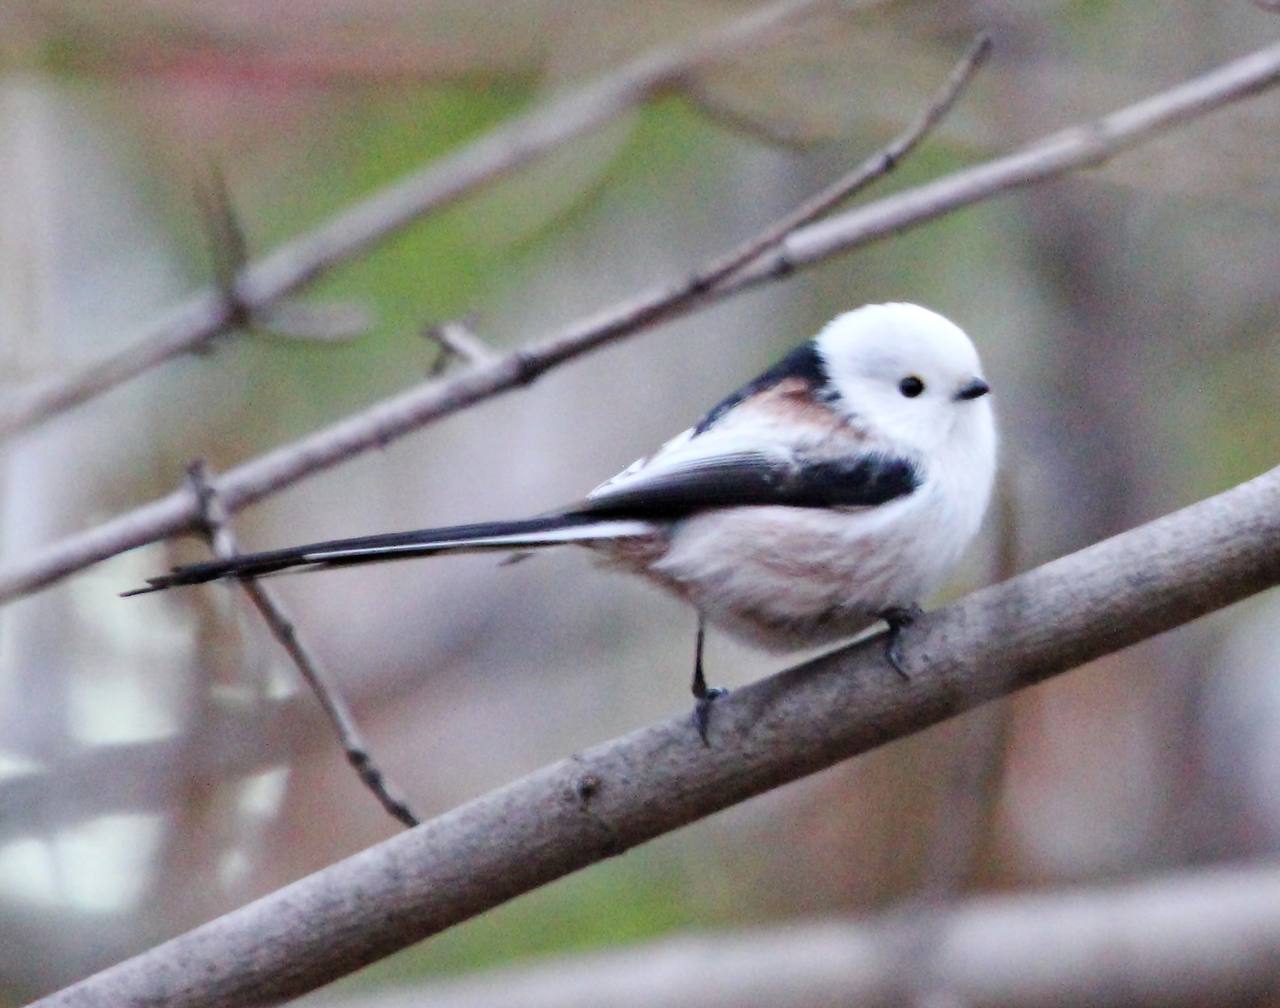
x: 898, y: 617
x: 702, y: 710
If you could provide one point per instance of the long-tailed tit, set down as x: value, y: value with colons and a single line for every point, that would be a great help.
x: 837, y: 488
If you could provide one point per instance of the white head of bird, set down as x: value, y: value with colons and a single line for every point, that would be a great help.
x: 913, y: 375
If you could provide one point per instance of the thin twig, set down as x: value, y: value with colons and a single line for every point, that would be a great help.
x: 619, y: 794
x: 217, y: 528
x: 877, y: 166
x: 665, y: 302
x: 458, y: 341
x: 228, y: 248
x: 195, y: 324
x: 1084, y: 145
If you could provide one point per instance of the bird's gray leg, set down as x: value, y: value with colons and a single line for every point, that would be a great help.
x: 898, y: 617
x: 703, y: 695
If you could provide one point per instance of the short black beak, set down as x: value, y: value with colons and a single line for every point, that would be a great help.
x: 973, y: 389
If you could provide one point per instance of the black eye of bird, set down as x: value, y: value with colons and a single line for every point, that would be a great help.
x: 911, y: 386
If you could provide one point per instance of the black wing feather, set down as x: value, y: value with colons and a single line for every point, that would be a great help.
x: 752, y: 478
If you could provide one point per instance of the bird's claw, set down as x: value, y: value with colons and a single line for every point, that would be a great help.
x: 702, y: 711
x: 898, y: 617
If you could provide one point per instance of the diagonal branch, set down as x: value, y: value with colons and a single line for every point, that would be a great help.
x: 877, y: 166
x: 1081, y: 146
x: 1086, y: 145
x: 204, y: 317
x: 213, y: 517
x: 616, y: 795
x: 1043, y: 949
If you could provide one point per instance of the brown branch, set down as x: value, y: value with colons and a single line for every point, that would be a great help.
x: 605, y: 800
x: 1081, y: 146
x: 217, y: 529
x: 194, y: 325
x: 1044, y: 949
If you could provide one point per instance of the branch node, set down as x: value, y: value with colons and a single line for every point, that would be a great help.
x: 229, y: 251
x: 527, y: 366
x: 587, y: 786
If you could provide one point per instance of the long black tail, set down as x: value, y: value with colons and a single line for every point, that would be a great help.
x: 530, y: 533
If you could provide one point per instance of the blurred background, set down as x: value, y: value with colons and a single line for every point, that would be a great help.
x: 160, y: 762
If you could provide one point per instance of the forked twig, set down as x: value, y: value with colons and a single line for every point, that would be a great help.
x: 876, y: 166
x: 217, y: 529
x: 702, y: 284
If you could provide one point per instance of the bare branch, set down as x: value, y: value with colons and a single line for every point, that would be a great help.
x: 874, y: 167
x: 195, y: 324
x: 614, y: 796
x: 313, y: 321
x: 237, y: 740
x: 218, y: 530
x: 1039, y: 950
x: 1081, y: 146
x: 458, y: 342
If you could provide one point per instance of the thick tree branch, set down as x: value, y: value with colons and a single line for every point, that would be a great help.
x: 1101, y: 947
x: 619, y: 794
x: 195, y: 324
x: 1081, y: 146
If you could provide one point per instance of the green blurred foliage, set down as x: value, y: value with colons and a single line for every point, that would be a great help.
x: 640, y: 895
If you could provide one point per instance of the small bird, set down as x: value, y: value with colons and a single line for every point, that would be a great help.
x: 836, y: 489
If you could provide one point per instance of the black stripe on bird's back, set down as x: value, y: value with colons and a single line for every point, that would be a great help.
x: 864, y: 481
x: 746, y: 481
x: 804, y: 362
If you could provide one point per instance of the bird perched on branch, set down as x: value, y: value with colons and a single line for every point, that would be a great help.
x: 837, y: 488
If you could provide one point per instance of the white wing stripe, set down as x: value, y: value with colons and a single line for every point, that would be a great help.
x: 580, y: 533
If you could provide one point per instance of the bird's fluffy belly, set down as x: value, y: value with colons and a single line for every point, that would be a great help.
x: 784, y: 578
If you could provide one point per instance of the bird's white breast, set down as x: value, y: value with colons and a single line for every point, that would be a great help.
x: 787, y: 577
